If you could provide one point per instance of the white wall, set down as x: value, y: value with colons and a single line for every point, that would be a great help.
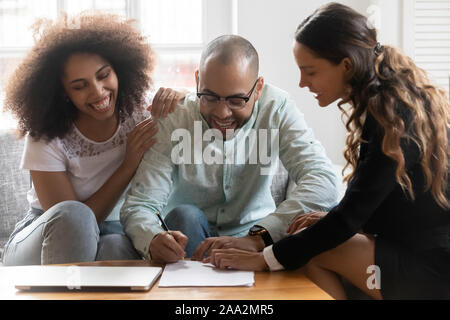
x: 270, y: 25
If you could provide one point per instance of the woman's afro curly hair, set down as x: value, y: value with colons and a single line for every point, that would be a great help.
x: 34, y: 92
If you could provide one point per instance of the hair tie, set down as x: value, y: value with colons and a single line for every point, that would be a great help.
x: 378, y: 48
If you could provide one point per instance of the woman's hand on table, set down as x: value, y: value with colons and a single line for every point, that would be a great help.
x: 237, y: 259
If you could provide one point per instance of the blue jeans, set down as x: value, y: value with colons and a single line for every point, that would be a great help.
x: 192, y: 222
x: 67, y: 232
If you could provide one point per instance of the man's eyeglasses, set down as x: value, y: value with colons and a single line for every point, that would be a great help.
x: 233, y: 102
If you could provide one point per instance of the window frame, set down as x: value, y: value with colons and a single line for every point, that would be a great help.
x: 218, y: 17
x: 408, y: 21
x: 408, y: 37
x: 211, y: 26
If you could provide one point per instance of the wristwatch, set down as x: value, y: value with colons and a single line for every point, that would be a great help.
x: 261, y: 231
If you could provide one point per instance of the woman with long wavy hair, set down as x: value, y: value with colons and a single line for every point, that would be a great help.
x: 390, y: 234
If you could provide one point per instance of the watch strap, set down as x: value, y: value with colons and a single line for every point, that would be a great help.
x: 265, y: 235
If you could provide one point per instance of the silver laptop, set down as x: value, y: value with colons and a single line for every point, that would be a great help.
x: 84, y: 278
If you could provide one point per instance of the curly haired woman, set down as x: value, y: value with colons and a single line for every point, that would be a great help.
x: 79, y: 98
x: 395, y: 212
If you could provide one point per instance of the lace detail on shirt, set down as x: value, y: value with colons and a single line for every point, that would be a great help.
x: 76, y: 146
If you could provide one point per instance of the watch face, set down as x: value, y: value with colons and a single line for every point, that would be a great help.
x: 256, y: 229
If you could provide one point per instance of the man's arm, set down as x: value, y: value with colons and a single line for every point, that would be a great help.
x: 150, y: 188
x: 148, y: 193
x: 305, y: 159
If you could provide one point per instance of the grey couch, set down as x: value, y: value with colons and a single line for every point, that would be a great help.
x: 14, y: 184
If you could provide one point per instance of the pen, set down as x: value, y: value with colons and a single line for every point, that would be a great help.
x: 164, y: 225
x: 162, y: 222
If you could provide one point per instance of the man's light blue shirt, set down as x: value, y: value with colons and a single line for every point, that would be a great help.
x: 230, y: 180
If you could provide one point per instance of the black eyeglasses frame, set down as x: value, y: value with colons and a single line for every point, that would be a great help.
x: 219, y: 98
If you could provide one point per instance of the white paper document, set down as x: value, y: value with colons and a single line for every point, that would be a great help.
x: 186, y: 273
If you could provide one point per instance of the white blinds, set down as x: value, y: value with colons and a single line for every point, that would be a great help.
x: 432, y: 39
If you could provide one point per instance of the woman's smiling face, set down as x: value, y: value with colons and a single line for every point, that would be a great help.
x: 326, y: 80
x: 91, y: 84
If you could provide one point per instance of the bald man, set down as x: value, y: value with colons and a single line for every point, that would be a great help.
x: 210, y: 172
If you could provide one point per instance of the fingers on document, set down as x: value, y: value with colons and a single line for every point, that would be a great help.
x: 223, y: 259
x: 202, y: 249
x: 208, y: 245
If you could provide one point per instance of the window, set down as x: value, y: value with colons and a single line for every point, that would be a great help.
x: 176, y: 30
x: 428, y: 41
x: 119, y: 7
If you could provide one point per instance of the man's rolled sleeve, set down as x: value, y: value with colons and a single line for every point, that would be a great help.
x: 140, y: 230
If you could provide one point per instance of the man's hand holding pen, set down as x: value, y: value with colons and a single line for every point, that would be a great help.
x: 168, y: 246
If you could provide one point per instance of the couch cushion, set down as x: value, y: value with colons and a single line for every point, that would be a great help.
x: 14, y: 184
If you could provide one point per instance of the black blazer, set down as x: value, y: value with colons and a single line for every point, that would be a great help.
x: 375, y: 202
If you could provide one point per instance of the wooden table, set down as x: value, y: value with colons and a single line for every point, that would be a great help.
x: 282, y: 285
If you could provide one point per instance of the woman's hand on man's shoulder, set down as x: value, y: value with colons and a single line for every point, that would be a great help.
x: 165, y: 101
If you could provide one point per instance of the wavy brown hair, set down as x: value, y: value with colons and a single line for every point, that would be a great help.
x: 385, y: 84
x: 34, y: 92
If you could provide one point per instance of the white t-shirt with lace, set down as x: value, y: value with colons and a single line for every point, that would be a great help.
x: 88, y: 164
